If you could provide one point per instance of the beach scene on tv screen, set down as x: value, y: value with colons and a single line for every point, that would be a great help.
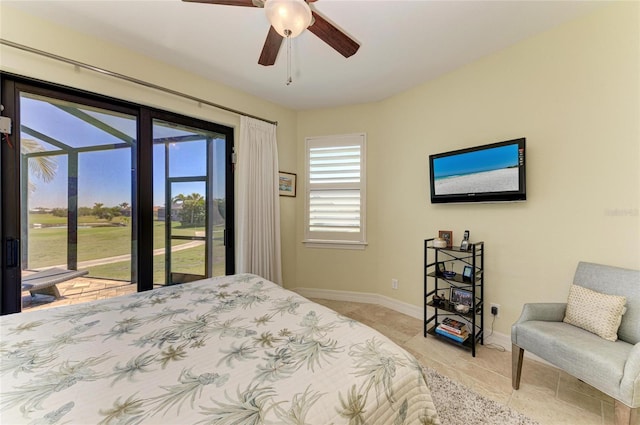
x: 490, y: 170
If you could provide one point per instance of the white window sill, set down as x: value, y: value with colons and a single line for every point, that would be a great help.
x: 316, y: 243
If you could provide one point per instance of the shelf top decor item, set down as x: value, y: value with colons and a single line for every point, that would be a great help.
x: 449, y: 274
x: 461, y: 308
x: 467, y: 273
x: 461, y: 297
x: 440, y: 243
x: 447, y: 235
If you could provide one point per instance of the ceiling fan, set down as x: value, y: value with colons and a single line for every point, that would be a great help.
x: 318, y: 25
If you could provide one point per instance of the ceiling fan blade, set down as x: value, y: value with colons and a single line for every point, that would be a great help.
x: 271, y: 48
x: 246, y: 3
x: 331, y: 35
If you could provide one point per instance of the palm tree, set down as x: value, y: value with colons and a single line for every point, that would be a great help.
x: 97, y: 208
x: 42, y: 167
x: 124, y: 210
x: 192, y: 207
x: 177, y: 200
x: 196, y: 202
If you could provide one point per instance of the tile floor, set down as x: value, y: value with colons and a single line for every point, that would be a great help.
x: 546, y: 394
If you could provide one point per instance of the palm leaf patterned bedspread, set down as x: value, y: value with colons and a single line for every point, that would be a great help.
x: 231, y: 350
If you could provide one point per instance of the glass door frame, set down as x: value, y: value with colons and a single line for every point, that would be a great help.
x: 208, y: 265
x: 11, y: 219
x: 228, y: 133
x: 73, y: 155
x: 142, y: 224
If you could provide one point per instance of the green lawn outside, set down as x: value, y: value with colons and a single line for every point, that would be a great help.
x: 48, y: 247
x: 189, y: 260
x: 49, y: 219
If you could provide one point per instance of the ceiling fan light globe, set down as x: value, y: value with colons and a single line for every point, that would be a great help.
x: 288, y: 17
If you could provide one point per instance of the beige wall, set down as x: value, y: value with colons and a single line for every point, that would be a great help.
x: 574, y: 93
x: 17, y: 27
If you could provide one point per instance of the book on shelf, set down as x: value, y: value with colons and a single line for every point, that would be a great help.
x: 455, y: 337
x: 453, y: 325
x: 453, y: 330
x: 463, y: 334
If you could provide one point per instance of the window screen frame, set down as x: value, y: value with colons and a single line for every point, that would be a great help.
x: 336, y: 239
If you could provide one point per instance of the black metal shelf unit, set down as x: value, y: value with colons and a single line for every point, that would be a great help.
x: 435, y: 283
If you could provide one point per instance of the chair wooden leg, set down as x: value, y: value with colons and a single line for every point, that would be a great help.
x: 625, y: 415
x: 517, y: 354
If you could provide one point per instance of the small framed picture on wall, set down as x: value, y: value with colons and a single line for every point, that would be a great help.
x: 447, y: 235
x: 287, y: 184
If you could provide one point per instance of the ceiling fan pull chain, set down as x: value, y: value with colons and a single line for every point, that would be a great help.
x: 289, y: 80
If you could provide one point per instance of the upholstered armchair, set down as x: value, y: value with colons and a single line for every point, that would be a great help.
x: 612, y: 367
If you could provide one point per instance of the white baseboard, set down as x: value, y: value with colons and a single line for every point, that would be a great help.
x: 362, y: 297
x: 495, y: 338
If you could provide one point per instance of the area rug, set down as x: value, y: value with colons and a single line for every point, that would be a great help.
x: 458, y: 405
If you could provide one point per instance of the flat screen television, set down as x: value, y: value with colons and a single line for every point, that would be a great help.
x: 487, y: 173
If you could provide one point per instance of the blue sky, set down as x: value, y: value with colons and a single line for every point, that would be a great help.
x: 105, y: 176
x: 475, y: 162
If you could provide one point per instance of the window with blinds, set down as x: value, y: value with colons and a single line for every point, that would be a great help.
x: 335, y: 190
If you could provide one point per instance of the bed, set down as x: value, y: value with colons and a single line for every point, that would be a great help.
x: 230, y: 350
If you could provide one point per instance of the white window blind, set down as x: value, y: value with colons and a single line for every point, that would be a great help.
x: 335, y: 190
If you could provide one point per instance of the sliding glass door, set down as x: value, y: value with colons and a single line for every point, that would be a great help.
x: 101, y: 197
x: 190, y: 202
x: 77, y: 204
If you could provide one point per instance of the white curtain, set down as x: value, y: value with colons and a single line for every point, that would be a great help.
x: 258, y: 201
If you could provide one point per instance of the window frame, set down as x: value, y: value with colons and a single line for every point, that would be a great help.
x: 342, y: 240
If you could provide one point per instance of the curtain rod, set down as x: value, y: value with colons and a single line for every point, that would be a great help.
x: 129, y: 79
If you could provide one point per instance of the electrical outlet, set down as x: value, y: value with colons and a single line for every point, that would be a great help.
x: 394, y: 283
x: 497, y: 309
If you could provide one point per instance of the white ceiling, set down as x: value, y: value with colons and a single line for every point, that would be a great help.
x: 403, y: 42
